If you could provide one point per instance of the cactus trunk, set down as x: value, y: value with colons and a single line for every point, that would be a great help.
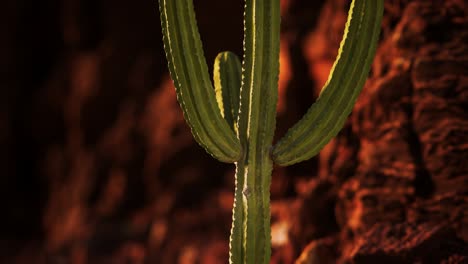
x: 250, y: 236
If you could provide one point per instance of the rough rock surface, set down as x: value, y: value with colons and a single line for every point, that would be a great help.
x: 403, y: 198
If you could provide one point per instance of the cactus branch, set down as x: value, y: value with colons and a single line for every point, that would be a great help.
x: 189, y: 71
x: 227, y: 82
x: 327, y: 115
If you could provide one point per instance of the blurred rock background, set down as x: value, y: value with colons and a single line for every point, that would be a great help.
x: 98, y: 166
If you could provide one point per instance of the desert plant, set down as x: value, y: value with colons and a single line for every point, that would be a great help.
x: 235, y: 120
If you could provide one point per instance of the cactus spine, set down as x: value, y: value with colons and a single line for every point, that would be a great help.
x: 235, y: 120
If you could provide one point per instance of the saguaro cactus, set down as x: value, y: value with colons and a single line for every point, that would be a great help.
x: 235, y: 120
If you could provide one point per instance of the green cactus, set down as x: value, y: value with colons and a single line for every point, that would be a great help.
x: 235, y: 120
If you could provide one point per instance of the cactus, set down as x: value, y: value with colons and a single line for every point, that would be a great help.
x: 235, y: 120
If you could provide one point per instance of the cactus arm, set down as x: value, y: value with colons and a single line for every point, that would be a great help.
x: 227, y: 82
x: 256, y: 125
x: 328, y: 114
x: 189, y: 71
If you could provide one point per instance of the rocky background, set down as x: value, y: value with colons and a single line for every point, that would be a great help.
x: 98, y: 166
